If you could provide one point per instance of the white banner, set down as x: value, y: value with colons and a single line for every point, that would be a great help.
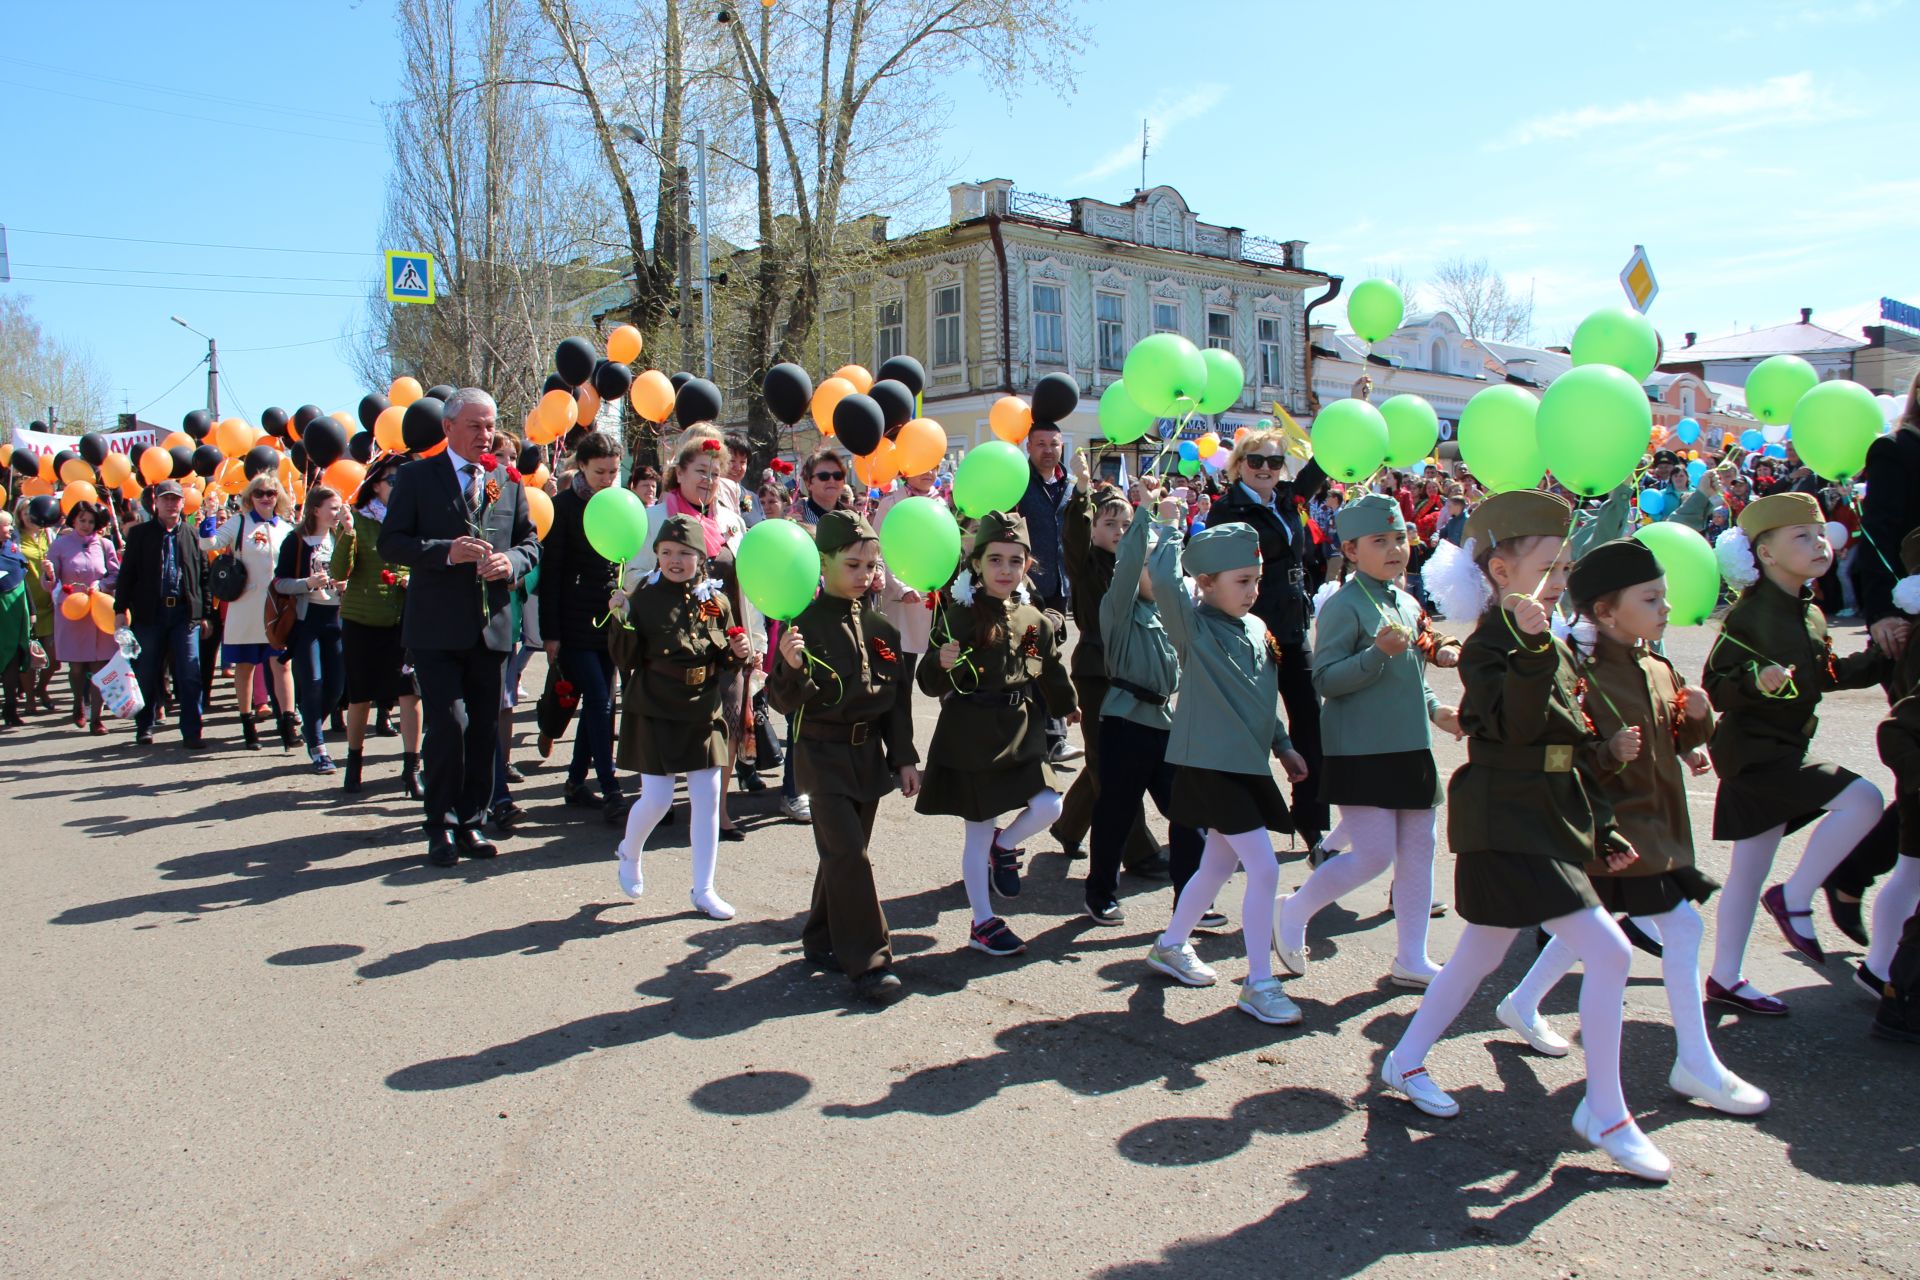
x: 45, y: 444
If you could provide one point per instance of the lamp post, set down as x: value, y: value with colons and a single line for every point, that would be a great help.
x: 633, y: 134
x: 213, y: 369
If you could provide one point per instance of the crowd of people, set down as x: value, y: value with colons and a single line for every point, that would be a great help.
x: 1221, y: 622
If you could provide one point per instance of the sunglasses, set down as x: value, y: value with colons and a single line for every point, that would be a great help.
x: 831, y: 477
x: 266, y: 493
x: 1261, y: 461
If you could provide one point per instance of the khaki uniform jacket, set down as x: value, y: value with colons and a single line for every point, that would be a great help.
x: 975, y: 738
x: 1648, y: 795
x: 862, y: 649
x: 670, y: 722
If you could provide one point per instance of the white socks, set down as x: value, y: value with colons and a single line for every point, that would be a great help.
x: 1042, y: 811
x: 1252, y: 850
x: 703, y: 816
x: 1895, y: 903
x: 1399, y: 838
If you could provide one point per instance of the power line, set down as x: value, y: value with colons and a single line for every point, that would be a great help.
x: 149, y: 109
x: 194, y: 244
x: 228, y: 384
x: 334, y: 117
x: 187, y: 288
x: 170, y: 390
x: 203, y: 275
x: 287, y: 346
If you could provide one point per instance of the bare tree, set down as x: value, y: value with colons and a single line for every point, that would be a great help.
x: 1479, y: 297
x: 1396, y: 275
x: 39, y: 372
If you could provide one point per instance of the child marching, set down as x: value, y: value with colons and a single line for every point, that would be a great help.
x: 1899, y: 741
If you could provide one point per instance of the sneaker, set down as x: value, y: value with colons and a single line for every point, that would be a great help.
x: 1004, y: 869
x: 994, y: 938
x: 322, y: 762
x: 1064, y: 751
x: 1537, y: 1031
x: 799, y: 809
x: 1181, y: 964
x: 1108, y: 912
x: 633, y: 882
x: 1417, y: 1087
x: 505, y: 816
x: 1294, y: 961
x: 1267, y: 1000
x: 1212, y: 921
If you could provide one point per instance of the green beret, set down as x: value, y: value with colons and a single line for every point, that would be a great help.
x: 684, y: 530
x: 1366, y: 516
x: 1518, y: 513
x: 1223, y: 547
x: 1779, y: 511
x: 1000, y: 526
x: 839, y: 529
x: 1609, y: 567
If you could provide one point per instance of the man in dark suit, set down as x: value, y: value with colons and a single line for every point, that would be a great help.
x: 162, y: 596
x: 462, y: 527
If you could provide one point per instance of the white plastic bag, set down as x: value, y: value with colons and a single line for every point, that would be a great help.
x: 119, y: 690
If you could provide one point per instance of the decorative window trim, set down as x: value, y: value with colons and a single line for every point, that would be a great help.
x: 937, y: 283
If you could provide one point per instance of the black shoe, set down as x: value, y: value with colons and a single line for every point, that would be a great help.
x: 249, y: 733
x: 1846, y: 917
x: 506, y: 816
x: 410, y: 775
x: 336, y: 723
x: 1003, y: 871
x: 1899, y: 1016
x: 289, y: 731
x: 1638, y: 937
x: 474, y: 845
x: 732, y: 835
x: 615, y: 809
x: 385, y: 726
x: 582, y: 796
x: 751, y: 782
x: 440, y: 850
x: 1154, y: 868
x: 1868, y: 981
x: 1069, y: 849
x: 514, y: 775
x: 1211, y: 921
x: 143, y: 737
x: 1318, y: 854
x: 1108, y: 912
x: 879, y: 986
x: 350, y: 780
x: 819, y: 959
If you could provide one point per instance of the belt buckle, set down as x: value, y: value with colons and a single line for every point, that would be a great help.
x: 1559, y: 758
x: 1298, y: 577
x: 173, y: 602
x: 860, y: 733
x: 696, y: 675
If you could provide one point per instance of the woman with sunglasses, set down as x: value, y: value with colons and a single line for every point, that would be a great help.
x: 823, y: 483
x: 1259, y: 493
x: 254, y: 536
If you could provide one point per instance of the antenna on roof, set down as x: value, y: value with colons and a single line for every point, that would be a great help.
x: 1145, y: 136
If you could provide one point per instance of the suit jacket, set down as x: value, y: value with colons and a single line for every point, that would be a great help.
x: 140, y: 588
x: 447, y: 605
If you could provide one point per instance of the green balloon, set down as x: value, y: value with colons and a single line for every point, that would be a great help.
x: 1619, y: 337
x: 1413, y: 428
x: 1832, y: 426
x: 1693, y: 575
x: 779, y: 568
x: 1375, y: 309
x: 992, y: 477
x: 921, y: 543
x: 1497, y: 440
x: 1349, y: 439
x: 1594, y: 423
x: 616, y: 523
x: 1189, y: 466
x: 1776, y: 385
x: 1163, y: 370
x: 1121, y: 419
x: 1225, y: 378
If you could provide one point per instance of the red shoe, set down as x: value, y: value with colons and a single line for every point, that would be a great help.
x: 97, y: 728
x: 1744, y: 995
x: 1775, y: 901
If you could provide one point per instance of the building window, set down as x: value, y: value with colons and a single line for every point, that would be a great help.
x: 1166, y: 317
x: 1220, y: 330
x: 946, y: 326
x: 1438, y: 362
x: 1110, y: 319
x: 1269, y: 351
x: 890, y: 333
x: 1049, y: 325
x: 1686, y: 401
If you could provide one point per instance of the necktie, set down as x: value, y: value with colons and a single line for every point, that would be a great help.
x: 473, y: 487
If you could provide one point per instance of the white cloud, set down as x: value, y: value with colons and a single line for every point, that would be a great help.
x: 1792, y: 99
x: 1162, y: 118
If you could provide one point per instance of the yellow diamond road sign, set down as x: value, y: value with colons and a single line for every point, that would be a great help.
x: 1637, y: 279
x: 409, y: 276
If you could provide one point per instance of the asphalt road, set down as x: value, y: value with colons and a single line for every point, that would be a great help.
x: 249, y: 1033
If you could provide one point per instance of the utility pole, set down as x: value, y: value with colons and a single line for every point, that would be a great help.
x: 706, y: 272
x: 213, y: 369
x: 1146, y: 134
x: 683, y: 260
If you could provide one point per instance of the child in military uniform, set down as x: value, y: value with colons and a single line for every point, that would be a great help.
x: 1523, y: 822
x: 1376, y: 723
x: 1766, y: 674
x: 1621, y: 589
x: 1899, y: 741
x: 672, y: 723
x: 989, y: 750
x: 840, y: 676
x: 1225, y: 724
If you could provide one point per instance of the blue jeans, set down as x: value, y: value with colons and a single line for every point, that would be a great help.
x: 591, y: 673
x: 177, y: 637
x: 319, y: 669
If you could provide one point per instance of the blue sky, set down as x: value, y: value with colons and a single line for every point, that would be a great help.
x: 1756, y: 149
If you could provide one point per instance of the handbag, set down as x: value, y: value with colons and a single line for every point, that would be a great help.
x: 283, y: 611
x: 227, y: 577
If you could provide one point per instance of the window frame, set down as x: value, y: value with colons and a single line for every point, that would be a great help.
x: 937, y: 318
x: 1110, y: 361
x: 880, y: 327
x: 1049, y: 355
x: 1179, y: 315
x: 1214, y: 341
x: 1276, y: 345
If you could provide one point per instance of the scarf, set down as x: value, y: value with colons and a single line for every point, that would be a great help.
x: 709, y: 527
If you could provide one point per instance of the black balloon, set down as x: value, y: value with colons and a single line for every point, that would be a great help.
x: 26, y: 464
x: 555, y: 382
x: 372, y: 405
x: 207, y: 460
x: 442, y: 391
x: 895, y: 401
x: 905, y: 370
x: 858, y: 422
x: 360, y: 446
x: 613, y: 381
x: 93, y: 447
x: 788, y: 390
x: 425, y: 424
x: 326, y: 441
x: 61, y: 459
x: 260, y: 460
x: 680, y: 380
x: 1055, y: 397
x: 36, y: 425
x: 573, y: 437
x: 304, y: 414
x: 44, y: 511
x: 530, y: 459
x: 574, y: 360
x: 197, y: 424
x: 182, y: 461
x: 697, y: 401
x: 273, y: 421
x: 297, y: 453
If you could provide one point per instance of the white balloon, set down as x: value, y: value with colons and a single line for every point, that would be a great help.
x: 1889, y: 407
x: 1836, y: 534
x: 1774, y: 432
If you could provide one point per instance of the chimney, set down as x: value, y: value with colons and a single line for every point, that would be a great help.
x: 1692, y: 338
x: 1806, y: 315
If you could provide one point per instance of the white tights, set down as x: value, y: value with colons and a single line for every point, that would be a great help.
x: 1898, y: 897
x: 703, y: 819
x: 1252, y: 850
x: 1399, y: 838
x: 1850, y: 815
x: 1596, y: 941
x: 1679, y: 932
x: 1041, y: 812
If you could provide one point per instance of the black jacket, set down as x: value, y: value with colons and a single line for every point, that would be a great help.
x: 1888, y: 513
x: 1282, y: 603
x: 139, y: 588
x: 575, y: 580
x: 448, y: 606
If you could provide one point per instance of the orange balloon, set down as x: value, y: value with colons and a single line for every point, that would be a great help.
x: 856, y: 374
x: 193, y: 481
x: 348, y: 422
x: 77, y: 605
x: 877, y: 469
x: 920, y: 446
x: 343, y: 476
x: 156, y: 464
x: 652, y: 396
x: 46, y: 467
x: 35, y: 487
x: 286, y: 473
x: 6, y: 454
x: 75, y: 470
x: 232, y: 474
x: 115, y: 468
x: 100, y: 604
x: 232, y: 436
x: 623, y: 345
x: 190, y: 501
x: 1239, y: 435
x: 538, y: 478
x: 405, y: 391
x: 1011, y: 418
x: 439, y: 447
x: 589, y: 401
x: 77, y: 492
x: 386, y: 429
x: 540, y: 511
x: 825, y: 397
x: 130, y: 489
x: 559, y: 410
x: 174, y: 439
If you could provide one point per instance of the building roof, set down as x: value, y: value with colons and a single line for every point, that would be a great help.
x: 1547, y: 365
x: 1782, y: 339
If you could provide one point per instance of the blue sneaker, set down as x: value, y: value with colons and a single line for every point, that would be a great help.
x: 994, y: 938
x: 1004, y: 869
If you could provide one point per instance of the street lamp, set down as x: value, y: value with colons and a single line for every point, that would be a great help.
x: 633, y: 134
x: 213, y: 369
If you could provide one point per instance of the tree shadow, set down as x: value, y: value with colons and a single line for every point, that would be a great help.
x: 534, y: 937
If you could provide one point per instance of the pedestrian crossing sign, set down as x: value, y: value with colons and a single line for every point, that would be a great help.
x: 409, y: 276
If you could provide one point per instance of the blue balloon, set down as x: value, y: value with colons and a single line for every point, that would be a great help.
x: 1776, y: 451
x: 1189, y: 451
x: 1687, y: 430
x: 1751, y: 440
x: 1653, y: 501
x: 1695, y: 470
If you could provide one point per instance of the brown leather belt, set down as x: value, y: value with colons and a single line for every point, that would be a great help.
x: 848, y: 734
x: 689, y: 673
x: 1554, y: 757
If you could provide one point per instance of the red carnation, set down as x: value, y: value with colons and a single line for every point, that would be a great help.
x: 710, y: 446
x: 735, y: 631
x: 389, y: 577
x: 489, y: 461
x: 513, y: 474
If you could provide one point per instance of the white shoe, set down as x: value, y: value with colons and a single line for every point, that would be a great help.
x: 1732, y: 1094
x: 632, y: 882
x: 1539, y: 1033
x: 1418, y: 1088
x: 713, y: 904
x: 1182, y: 964
x: 800, y: 809
x: 1295, y: 962
x: 1267, y: 1000
x: 1415, y: 979
x: 1631, y: 1149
